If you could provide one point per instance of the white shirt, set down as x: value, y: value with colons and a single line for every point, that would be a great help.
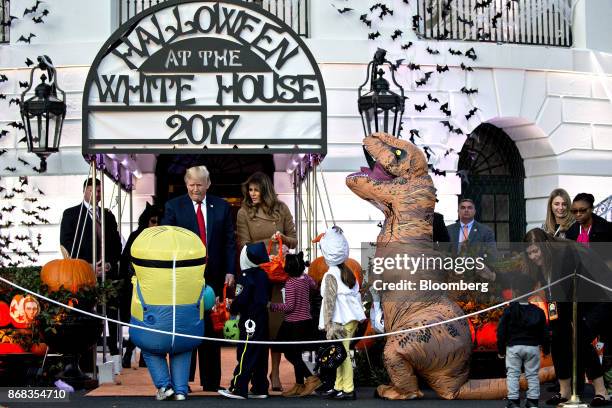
x: 90, y: 211
x: 195, y: 208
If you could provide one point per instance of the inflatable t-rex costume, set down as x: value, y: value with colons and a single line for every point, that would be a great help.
x: 398, y: 183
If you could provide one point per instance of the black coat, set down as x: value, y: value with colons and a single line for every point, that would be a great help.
x: 601, y: 230
x: 251, y: 301
x: 69, y: 234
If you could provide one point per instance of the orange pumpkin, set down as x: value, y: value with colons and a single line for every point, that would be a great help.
x: 486, y: 336
x: 72, y: 274
x: 10, y: 348
x: 366, y: 343
x: 318, y: 267
x: 17, y: 313
x: 5, y: 315
x: 38, y: 349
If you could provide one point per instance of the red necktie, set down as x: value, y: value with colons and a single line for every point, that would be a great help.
x: 201, y: 223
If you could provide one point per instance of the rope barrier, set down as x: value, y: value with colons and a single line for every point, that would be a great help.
x: 394, y: 333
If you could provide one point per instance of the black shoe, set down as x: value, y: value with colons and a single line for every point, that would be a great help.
x: 556, y: 399
x: 531, y: 403
x: 341, y: 395
x: 126, y: 361
x: 554, y: 387
x: 328, y: 394
x: 141, y: 362
x: 599, y: 401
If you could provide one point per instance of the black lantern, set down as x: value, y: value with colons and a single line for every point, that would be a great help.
x: 43, y: 114
x: 381, y: 109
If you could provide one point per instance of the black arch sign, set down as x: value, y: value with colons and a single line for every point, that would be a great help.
x: 196, y: 76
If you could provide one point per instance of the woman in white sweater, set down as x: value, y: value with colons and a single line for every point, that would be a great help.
x: 341, y: 310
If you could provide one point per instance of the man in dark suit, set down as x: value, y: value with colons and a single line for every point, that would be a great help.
x: 210, y: 218
x: 469, y: 231
x: 76, y: 240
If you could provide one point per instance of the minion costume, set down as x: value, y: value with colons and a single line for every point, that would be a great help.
x: 251, y: 301
x: 169, y: 294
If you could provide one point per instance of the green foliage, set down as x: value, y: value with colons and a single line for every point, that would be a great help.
x: 370, y: 370
x: 52, y: 314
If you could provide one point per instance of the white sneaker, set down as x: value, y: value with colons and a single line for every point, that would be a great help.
x: 257, y: 396
x: 179, y: 397
x: 229, y: 394
x: 164, y: 393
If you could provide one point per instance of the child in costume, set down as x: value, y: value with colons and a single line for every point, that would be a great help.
x: 341, y: 309
x: 251, y: 303
x: 297, y: 324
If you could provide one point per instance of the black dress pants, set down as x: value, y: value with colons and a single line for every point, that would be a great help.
x: 209, y: 358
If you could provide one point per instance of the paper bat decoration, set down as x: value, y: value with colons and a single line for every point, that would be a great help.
x: 39, y: 190
x: 8, y: 196
x: 11, y: 169
x: 435, y: 171
x: 427, y: 152
x: 3, y: 78
x: 444, y: 35
x: 344, y: 10
x: 45, y: 12
x: 424, y: 79
x: 28, y: 213
x: 414, y: 133
x: 465, y: 67
x: 444, y: 109
x: 8, y: 209
x: 420, y: 108
x: 471, y: 113
x: 509, y: 4
x: 481, y: 35
x: 441, y: 69
x: 33, y: 9
x: 23, y: 180
x: 467, y: 22
x: 18, y: 190
x: 15, y: 101
x: 482, y: 4
x: 384, y: 10
x: 28, y: 223
x: 39, y: 239
x: 17, y: 125
x: 38, y: 20
x: 414, y: 67
x: 407, y: 45
x: 41, y: 219
x: 2, y: 151
x: 27, y: 39
x: 22, y: 237
x: 3, y: 133
x: 471, y: 54
x: 365, y: 20
x: 432, y: 99
x: 25, y: 163
x: 43, y: 208
x: 24, y: 84
x: 432, y: 51
x: 22, y: 140
x: 449, y: 151
x: 454, y: 52
x: 447, y: 124
x: 396, y: 34
x: 29, y: 62
x: 469, y: 91
x: 8, y: 21
x: 372, y: 36
x: 496, y: 17
x: 31, y: 199
x: 397, y: 64
x: 39, y: 170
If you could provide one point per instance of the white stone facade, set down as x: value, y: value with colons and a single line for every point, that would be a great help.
x: 554, y: 103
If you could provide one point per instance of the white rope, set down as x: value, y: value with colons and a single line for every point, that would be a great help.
x: 594, y: 283
x: 412, y: 329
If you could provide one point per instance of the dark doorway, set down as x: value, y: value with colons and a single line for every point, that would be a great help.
x: 493, y: 176
x: 227, y: 173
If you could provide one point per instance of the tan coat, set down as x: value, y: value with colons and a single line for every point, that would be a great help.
x: 262, y: 227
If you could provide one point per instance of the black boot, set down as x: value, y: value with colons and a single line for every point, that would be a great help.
x: 126, y: 361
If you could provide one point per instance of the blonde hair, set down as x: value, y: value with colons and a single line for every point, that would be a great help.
x: 198, y: 172
x: 550, y: 225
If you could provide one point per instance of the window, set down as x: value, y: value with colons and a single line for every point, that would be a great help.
x: 5, y: 21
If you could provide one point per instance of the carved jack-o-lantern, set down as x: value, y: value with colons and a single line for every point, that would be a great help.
x: 18, y: 317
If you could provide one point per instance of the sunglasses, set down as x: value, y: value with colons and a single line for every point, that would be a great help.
x: 579, y: 210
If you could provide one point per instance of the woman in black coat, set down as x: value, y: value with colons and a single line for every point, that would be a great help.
x: 549, y: 259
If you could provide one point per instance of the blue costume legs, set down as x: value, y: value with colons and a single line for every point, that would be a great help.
x: 176, y: 376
